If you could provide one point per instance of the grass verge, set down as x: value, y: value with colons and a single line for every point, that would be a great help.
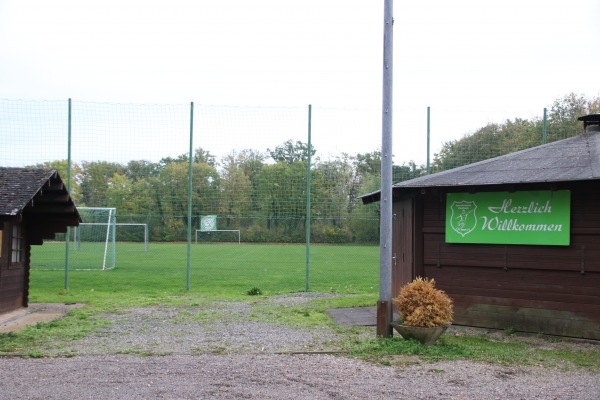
x: 359, y: 342
x: 480, y: 348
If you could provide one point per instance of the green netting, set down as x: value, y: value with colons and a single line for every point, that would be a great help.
x: 249, y: 168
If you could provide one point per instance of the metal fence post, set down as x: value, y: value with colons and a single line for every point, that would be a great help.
x: 308, y: 172
x: 428, y: 137
x: 68, y: 235
x: 544, y: 128
x: 189, y: 216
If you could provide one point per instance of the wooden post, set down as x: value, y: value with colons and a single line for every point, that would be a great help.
x: 384, y: 329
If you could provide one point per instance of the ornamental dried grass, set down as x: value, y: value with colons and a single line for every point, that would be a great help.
x: 421, y: 304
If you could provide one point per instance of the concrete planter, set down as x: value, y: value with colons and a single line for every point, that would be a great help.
x: 424, y: 334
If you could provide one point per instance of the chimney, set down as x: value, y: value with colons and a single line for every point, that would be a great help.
x: 591, y: 122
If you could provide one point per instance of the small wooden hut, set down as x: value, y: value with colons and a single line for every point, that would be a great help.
x: 514, y: 240
x: 34, y: 205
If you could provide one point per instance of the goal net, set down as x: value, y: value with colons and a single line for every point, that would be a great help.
x: 218, y: 236
x: 132, y: 237
x: 94, y: 239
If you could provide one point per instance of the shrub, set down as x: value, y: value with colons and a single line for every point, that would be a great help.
x: 421, y: 304
x: 254, y: 292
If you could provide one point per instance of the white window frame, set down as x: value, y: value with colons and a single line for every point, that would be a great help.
x: 16, y: 245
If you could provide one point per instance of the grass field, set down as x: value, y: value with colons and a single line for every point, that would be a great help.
x: 227, y: 269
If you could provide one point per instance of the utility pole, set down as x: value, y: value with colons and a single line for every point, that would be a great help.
x: 384, y: 304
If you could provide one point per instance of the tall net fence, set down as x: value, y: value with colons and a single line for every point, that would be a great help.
x: 249, y: 173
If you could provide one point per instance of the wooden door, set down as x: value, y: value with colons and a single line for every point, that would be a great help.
x: 402, y: 244
x: 13, y: 279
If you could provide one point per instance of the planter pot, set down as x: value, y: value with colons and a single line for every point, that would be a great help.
x: 424, y: 334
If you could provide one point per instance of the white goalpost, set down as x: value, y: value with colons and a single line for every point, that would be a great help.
x: 208, y: 225
x: 220, y: 230
x: 95, y: 237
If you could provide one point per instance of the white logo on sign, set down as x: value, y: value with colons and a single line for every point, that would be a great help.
x: 463, y: 219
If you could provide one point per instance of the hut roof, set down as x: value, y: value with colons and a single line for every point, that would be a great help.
x: 573, y: 159
x: 38, y: 195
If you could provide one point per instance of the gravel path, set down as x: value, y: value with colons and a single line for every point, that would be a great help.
x: 279, y: 377
x: 211, y: 351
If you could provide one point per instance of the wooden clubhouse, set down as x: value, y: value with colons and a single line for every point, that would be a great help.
x: 513, y: 240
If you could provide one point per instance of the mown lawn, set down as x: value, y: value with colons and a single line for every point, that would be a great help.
x: 227, y: 269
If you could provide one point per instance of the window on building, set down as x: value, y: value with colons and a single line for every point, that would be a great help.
x: 16, y: 245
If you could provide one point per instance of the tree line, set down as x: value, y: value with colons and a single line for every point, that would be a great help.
x: 262, y: 194
x: 494, y: 139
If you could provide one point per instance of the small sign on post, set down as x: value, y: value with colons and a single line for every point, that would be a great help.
x: 208, y: 223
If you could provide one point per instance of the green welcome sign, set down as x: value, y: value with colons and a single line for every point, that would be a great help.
x: 537, y: 217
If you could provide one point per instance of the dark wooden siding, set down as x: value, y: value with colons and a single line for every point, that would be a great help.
x: 14, y: 286
x: 541, y: 289
x: 11, y: 289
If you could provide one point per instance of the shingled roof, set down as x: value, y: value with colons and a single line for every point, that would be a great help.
x: 573, y: 159
x: 39, y: 197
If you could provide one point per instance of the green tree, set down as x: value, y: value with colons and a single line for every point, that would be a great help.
x: 406, y: 171
x: 364, y: 166
x: 141, y: 169
x: 365, y: 218
x: 120, y: 194
x: 132, y: 199
x: 290, y: 152
x: 368, y: 163
x: 171, y: 196
x: 564, y: 112
x: 206, y: 189
x: 236, y: 190
x: 94, y: 181
x: 282, y: 199
x: 495, y: 140
x: 331, y: 184
x: 202, y: 156
x: 251, y: 163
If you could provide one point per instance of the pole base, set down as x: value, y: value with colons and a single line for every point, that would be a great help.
x: 384, y: 319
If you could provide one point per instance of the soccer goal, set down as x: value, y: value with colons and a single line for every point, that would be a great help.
x: 209, y: 236
x: 132, y: 236
x: 208, y: 228
x: 94, y: 240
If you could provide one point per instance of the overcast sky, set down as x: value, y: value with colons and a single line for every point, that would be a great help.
x: 484, y: 61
